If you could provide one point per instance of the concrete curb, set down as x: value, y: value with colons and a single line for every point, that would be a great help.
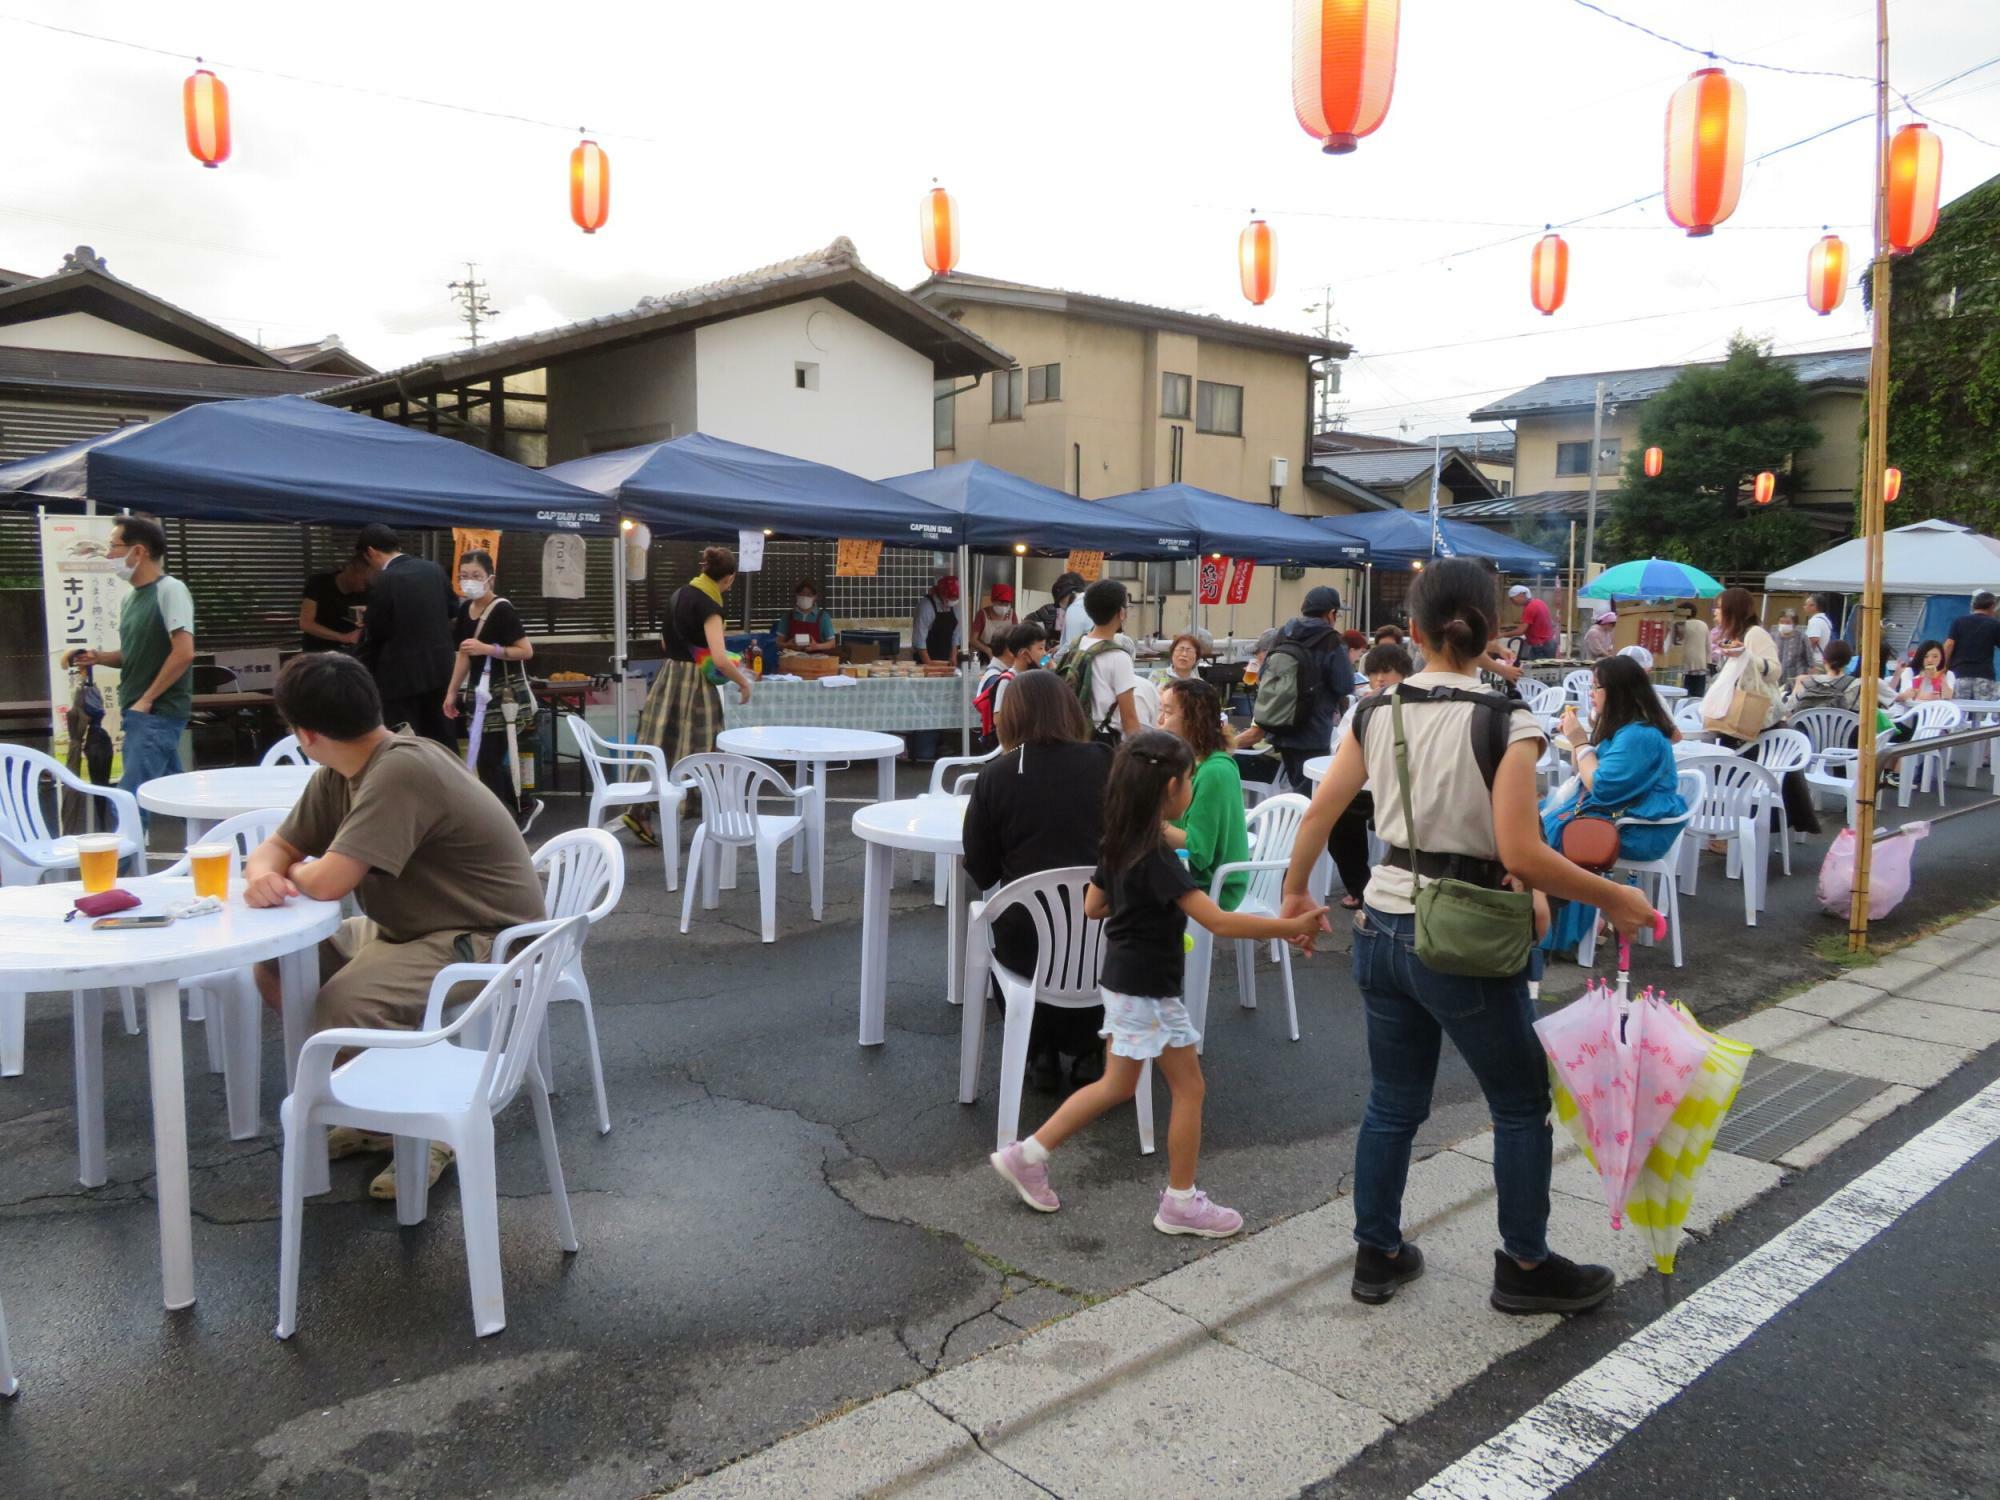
x: 1252, y: 1370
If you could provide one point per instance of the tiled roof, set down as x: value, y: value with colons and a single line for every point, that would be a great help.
x: 1577, y: 392
x: 1385, y: 466
x: 182, y: 380
x: 1489, y: 445
x: 1551, y: 503
x: 1337, y: 440
x: 835, y: 272
x: 92, y: 289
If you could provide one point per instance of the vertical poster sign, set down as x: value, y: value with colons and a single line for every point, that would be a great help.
x: 750, y: 550
x: 466, y: 539
x: 856, y: 559
x: 1213, y: 570
x: 81, y: 597
x: 1089, y: 566
x: 1240, y: 569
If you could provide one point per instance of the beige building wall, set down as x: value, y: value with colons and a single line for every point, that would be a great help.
x: 1831, y: 472
x: 1535, y: 440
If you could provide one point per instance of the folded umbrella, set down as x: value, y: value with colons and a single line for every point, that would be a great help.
x: 1664, y: 1192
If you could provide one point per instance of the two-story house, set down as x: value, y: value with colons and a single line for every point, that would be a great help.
x: 1107, y: 396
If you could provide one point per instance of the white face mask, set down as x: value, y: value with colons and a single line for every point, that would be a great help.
x: 472, y: 588
x: 126, y: 565
x: 1786, y: 629
x: 804, y: 603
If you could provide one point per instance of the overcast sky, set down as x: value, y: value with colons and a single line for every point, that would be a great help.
x: 1110, y: 147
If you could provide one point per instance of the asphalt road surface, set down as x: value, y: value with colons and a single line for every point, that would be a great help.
x: 779, y: 1223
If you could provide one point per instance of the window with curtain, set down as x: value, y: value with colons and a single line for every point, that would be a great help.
x: 1008, y: 389
x: 944, y: 415
x: 1176, y: 391
x: 1044, y: 383
x: 1218, y: 408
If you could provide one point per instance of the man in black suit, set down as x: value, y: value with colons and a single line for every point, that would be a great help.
x: 406, y: 634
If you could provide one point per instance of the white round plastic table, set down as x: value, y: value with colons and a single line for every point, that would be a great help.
x: 816, y: 748
x: 925, y: 825
x: 40, y: 951
x: 1317, y: 767
x: 205, y: 798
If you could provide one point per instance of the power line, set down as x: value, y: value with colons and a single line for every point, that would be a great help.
x: 1530, y: 333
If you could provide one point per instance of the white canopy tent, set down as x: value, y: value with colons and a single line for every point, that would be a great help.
x: 1927, y: 557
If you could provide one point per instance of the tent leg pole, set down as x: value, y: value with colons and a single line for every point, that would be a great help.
x: 618, y: 631
x: 964, y: 650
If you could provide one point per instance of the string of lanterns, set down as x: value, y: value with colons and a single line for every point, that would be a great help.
x: 1257, y: 260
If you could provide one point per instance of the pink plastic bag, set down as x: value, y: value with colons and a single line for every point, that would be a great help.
x: 1888, y: 872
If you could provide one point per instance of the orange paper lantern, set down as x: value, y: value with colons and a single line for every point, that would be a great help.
x: 1257, y: 261
x: 1766, y: 488
x: 1826, y: 275
x: 1705, y: 120
x: 938, y: 222
x: 1655, y: 461
x: 1892, y: 485
x: 1548, y: 273
x: 1915, y: 159
x: 205, y: 111
x: 589, y: 186
x: 1343, y: 68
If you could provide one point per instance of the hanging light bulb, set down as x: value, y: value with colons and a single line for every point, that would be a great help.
x: 938, y: 222
x: 1892, y: 485
x: 1548, y: 273
x: 1343, y: 68
x: 1655, y: 461
x: 205, y: 111
x: 1705, y: 120
x: 589, y: 186
x: 1257, y: 261
x: 1826, y: 274
x: 1766, y: 488
x: 1915, y: 158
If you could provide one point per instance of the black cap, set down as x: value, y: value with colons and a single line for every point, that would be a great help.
x: 1068, y: 583
x: 1320, y: 601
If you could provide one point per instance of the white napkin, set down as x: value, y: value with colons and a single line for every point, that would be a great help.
x: 838, y: 679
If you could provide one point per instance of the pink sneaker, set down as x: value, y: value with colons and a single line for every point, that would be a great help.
x: 1197, y: 1216
x: 1029, y: 1180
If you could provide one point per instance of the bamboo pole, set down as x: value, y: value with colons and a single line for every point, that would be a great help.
x: 1874, y: 461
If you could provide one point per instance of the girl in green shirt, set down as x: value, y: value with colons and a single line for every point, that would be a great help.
x: 1212, y: 830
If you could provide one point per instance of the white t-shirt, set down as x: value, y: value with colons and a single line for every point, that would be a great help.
x: 1453, y: 806
x: 1111, y: 673
x: 1819, y: 631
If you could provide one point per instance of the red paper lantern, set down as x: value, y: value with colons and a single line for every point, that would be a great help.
x: 1892, y: 485
x: 1915, y: 158
x: 1548, y: 273
x: 1767, y: 487
x: 938, y: 222
x: 589, y: 186
x: 1343, y: 68
x: 1655, y: 461
x: 1257, y: 261
x: 1705, y: 120
x: 205, y: 110
x: 1826, y: 275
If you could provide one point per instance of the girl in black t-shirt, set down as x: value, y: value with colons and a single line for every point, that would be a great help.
x: 1144, y: 897
x: 491, y: 639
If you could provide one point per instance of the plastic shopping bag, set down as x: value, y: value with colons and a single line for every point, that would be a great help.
x: 1888, y: 872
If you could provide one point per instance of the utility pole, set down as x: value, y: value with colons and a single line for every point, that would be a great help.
x: 470, y: 295
x: 1327, y: 369
x: 1590, y: 515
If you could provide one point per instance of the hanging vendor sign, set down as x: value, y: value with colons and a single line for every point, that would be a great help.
x: 750, y: 549
x: 81, y: 596
x: 466, y: 539
x: 1214, y: 568
x: 1240, y: 570
x: 853, y: 558
x: 1089, y: 566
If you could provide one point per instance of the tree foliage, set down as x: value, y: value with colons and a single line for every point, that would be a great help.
x: 1719, y: 426
x: 1944, y: 368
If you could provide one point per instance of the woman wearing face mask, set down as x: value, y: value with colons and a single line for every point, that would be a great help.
x: 808, y: 627
x: 491, y: 641
x: 995, y: 622
x: 1793, y: 658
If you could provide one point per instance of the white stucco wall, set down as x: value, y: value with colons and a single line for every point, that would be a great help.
x: 83, y: 334
x: 871, y: 412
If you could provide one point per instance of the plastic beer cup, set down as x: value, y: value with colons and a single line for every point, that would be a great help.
x: 209, y: 865
x: 97, y: 861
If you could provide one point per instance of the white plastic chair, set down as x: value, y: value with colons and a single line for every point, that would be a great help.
x: 285, y: 753
x: 947, y: 776
x: 1687, y: 715
x: 1544, y: 699
x: 1929, y: 767
x: 729, y: 786
x: 583, y: 875
x: 1577, y: 686
x: 608, y: 764
x: 1781, y: 752
x: 419, y: 1086
x: 1274, y: 829
x: 1664, y: 873
x: 10, y: 1384
x: 1069, y: 955
x: 1735, y: 809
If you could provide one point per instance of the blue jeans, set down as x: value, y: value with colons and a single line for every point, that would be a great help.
x: 152, y: 748
x: 1410, y: 1008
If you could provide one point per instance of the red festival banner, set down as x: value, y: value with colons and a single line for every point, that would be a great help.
x: 1213, y: 570
x: 1240, y: 570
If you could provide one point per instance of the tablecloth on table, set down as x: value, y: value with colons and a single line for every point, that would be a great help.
x: 891, y: 704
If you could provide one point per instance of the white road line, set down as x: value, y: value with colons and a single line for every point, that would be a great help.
x: 1577, y: 1425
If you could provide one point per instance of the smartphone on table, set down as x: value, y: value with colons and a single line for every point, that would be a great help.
x: 120, y: 924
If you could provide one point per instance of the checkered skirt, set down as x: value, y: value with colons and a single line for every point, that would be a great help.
x: 683, y: 712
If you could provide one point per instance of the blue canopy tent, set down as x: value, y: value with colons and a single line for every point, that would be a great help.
x: 1003, y: 511
x: 1403, y: 536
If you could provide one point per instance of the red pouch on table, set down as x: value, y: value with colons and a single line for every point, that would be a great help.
x: 104, y: 903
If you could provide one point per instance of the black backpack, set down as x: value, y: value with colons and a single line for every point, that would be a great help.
x: 1288, y: 683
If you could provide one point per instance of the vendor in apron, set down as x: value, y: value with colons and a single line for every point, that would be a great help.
x: 807, y: 627
x: 933, y: 634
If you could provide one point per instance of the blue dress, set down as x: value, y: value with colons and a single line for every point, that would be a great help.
x: 1636, y: 778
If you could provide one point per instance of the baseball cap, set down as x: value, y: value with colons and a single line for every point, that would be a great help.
x: 1518, y: 591
x: 947, y: 586
x: 1320, y: 600
x: 1003, y: 593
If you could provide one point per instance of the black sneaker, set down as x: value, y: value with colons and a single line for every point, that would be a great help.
x: 1376, y: 1275
x: 1557, y: 1285
x: 529, y: 813
x: 1045, y: 1071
